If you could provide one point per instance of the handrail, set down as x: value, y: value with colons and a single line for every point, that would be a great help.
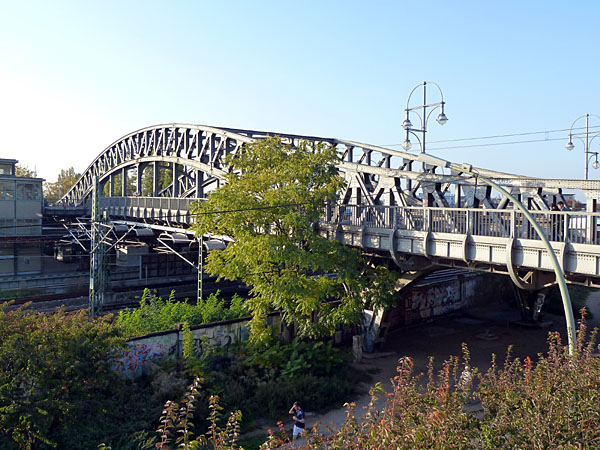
x: 558, y: 226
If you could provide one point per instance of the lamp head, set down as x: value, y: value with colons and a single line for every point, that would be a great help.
x: 442, y: 119
x: 407, y: 124
x: 407, y: 144
x: 596, y: 164
x: 570, y: 146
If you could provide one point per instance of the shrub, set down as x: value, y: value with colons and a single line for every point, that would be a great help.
x: 156, y: 314
x: 55, y: 373
x: 554, y: 403
x: 297, y: 357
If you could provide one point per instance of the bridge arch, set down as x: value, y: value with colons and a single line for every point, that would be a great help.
x: 199, y: 147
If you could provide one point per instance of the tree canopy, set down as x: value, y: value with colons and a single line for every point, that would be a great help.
x: 26, y: 172
x: 273, y: 196
x: 66, y: 179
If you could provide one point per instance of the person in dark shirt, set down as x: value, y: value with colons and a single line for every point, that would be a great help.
x: 563, y: 220
x: 299, y: 425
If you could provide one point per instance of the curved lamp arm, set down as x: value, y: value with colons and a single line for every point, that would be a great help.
x: 560, y: 276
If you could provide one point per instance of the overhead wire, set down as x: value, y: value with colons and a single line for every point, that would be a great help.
x: 530, y: 133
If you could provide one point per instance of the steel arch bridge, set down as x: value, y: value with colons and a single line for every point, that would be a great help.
x: 415, y: 213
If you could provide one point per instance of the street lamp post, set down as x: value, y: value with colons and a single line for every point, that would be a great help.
x: 584, y: 136
x: 426, y: 110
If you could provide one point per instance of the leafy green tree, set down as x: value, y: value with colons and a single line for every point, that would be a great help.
x: 118, y: 184
x: 66, y: 179
x: 273, y: 196
x: 26, y: 172
x: 55, y: 369
x: 165, y: 178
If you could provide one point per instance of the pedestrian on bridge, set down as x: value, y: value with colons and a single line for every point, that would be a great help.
x: 562, y: 221
x: 554, y: 222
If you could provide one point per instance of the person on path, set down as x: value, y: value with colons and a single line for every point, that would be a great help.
x: 299, y: 425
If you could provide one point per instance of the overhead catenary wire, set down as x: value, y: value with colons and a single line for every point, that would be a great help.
x: 475, y: 138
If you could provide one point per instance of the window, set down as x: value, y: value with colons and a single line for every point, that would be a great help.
x: 28, y: 191
x: 6, y: 169
x: 7, y: 190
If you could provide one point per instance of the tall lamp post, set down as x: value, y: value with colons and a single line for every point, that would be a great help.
x: 423, y: 112
x: 586, y: 137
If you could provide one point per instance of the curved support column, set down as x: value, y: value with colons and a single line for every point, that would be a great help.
x: 426, y: 240
x: 512, y: 272
x: 465, y: 243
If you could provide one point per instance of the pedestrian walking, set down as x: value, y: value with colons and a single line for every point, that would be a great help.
x: 299, y: 423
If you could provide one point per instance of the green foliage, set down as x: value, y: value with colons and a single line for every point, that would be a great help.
x: 131, y: 180
x: 554, y: 403
x: 55, y: 371
x: 271, y: 199
x: 189, y: 349
x: 66, y: 179
x: 25, y: 172
x: 156, y: 314
x: 318, y: 393
x: 298, y: 357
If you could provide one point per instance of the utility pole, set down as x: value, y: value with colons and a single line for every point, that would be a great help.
x: 98, y: 275
x: 200, y: 266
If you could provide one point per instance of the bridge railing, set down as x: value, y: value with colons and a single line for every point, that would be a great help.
x: 158, y: 208
x: 181, y: 204
x: 559, y: 226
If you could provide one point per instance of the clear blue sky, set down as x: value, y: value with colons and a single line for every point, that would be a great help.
x: 76, y: 76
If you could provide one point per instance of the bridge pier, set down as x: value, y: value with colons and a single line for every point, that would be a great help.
x: 530, y: 303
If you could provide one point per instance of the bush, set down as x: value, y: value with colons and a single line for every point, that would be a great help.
x: 55, y: 373
x: 156, y: 314
x: 317, y: 393
x: 297, y: 357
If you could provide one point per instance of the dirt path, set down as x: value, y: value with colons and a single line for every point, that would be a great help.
x: 486, y: 329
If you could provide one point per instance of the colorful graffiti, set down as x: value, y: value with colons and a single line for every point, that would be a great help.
x: 143, y: 350
x: 133, y: 360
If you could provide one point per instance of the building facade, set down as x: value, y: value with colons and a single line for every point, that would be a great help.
x: 21, y: 207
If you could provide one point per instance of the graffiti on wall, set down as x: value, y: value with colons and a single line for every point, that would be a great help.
x: 436, y: 300
x: 219, y: 336
x: 133, y: 360
x: 142, y: 351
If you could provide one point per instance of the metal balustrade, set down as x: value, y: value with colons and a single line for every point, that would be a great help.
x: 559, y: 226
x: 159, y: 208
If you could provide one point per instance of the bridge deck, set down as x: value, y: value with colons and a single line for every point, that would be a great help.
x: 471, y: 235
x: 464, y: 235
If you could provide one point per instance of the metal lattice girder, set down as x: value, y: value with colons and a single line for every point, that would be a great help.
x: 376, y: 175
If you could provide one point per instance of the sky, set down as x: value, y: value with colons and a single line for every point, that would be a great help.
x: 77, y: 75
